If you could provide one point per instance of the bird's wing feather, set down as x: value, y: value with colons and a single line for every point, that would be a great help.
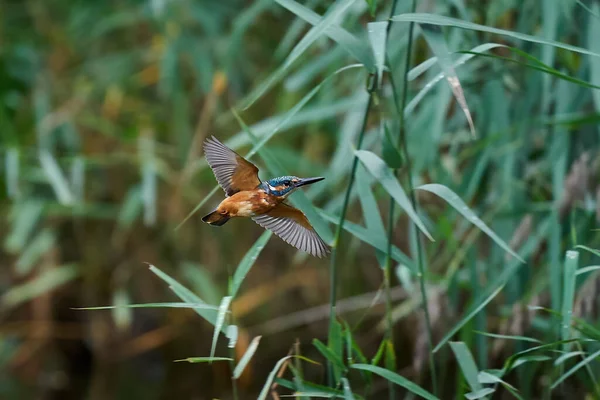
x: 233, y: 172
x: 291, y: 225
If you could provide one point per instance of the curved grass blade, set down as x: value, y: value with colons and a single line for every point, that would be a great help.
x: 467, y: 365
x: 267, y: 386
x: 223, y: 308
x: 247, y: 262
x: 377, y: 167
x: 536, y: 65
x: 460, y: 206
x: 203, y: 306
x: 397, y: 379
x: 479, y: 394
x: 472, y: 312
x: 195, y: 360
x: 420, y: 69
x: 200, y: 205
x: 345, y: 39
x: 589, y: 249
x: 378, y: 242
x: 527, y: 359
x: 239, y: 368
x: 435, y: 38
x: 415, y: 72
x: 291, y: 113
x: 186, y: 295
x: 348, y: 395
x: 486, y: 377
x: 511, y: 362
x: 307, y: 387
x: 330, y: 355
x: 424, y: 18
x: 584, y: 270
x: 318, y: 30
x: 508, y: 337
x: 575, y: 368
x: 378, y: 38
x: 567, y: 356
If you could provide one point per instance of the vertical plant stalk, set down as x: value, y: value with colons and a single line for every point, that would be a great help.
x: 387, y: 274
x: 400, y: 105
x: 338, y: 234
x: 234, y: 388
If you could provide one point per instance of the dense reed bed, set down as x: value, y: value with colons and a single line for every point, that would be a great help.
x: 459, y: 141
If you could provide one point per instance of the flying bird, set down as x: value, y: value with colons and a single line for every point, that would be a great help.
x: 264, y: 202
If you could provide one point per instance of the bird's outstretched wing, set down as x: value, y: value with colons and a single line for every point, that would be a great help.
x: 233, y: 172
x: 291, y: 225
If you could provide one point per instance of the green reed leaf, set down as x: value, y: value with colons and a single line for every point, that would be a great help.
x: 377, y: 167
x: 455, y: 201
x: 396, y: 379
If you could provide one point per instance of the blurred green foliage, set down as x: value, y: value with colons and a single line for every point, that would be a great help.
x: 104, y: 106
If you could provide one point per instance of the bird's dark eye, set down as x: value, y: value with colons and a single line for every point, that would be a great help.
x: 286, y: 183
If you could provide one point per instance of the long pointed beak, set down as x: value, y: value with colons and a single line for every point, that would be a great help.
x: 308, y: 181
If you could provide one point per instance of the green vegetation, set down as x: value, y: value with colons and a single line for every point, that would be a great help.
x: 460, y: 145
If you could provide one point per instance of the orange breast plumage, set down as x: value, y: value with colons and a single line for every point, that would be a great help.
x: 247, y: 204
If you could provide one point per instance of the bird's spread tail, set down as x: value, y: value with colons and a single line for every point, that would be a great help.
x: 215, y: 218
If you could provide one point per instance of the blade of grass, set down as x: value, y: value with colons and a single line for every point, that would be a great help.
x: 467, y: 365
x: 377, y: 167
x: 186, y: 295
x: 350, y: 43
x: 455, y: 201
x: 587, y: 269
x: 397, y: 379
x: 377, y: 32
x: 247, y: 262
x: 568, y: 296
x: 435, y: 39
x: 239, y: 368
x: 575, y: 368
x: 348, y: 395
x: 219, y: 323
x: 478, y: 305
x: 317, y: 31
x: 195, y: 360
x: 267, y: 386
x: 508, y: 337
x: 203, y: 306
x: 375, y: 241
x: 479, y: 394
x: 423, y: 18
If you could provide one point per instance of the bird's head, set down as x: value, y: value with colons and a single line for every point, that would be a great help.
x: 285, y: 185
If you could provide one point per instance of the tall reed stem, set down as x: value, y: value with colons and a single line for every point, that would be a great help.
x: 338, y: 233
x: 389, y: 332
x: 400, y: 106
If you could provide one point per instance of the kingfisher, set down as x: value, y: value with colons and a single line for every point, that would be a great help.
x: 264, y: 202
